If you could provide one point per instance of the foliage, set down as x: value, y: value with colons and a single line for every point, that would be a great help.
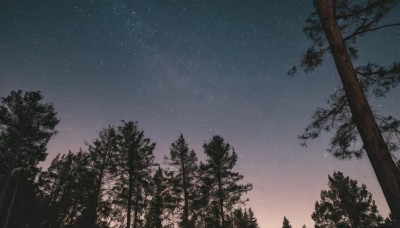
x: 345, y: 204
x: 65, y: 190
x: 355, y: 20
x: 339, y: 24
x: 157, y: 212
x: 243, y: 219
x: 286, y: 223
x: 26, y: 126
x: 183, y: 176
x: 223, y: 190
x: 113, y: 183
x: 252, y: 221
x: 135, y: 162
x: 102, y: 163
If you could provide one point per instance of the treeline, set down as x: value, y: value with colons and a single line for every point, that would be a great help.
x: 115, y: 182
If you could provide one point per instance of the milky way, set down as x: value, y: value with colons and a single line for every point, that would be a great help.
x: 197, y: 67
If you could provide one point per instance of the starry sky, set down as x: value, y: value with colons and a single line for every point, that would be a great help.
x: 197, y: 67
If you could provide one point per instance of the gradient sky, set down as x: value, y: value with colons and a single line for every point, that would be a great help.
x: 197, y: 67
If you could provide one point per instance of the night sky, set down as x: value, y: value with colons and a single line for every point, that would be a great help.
x: 199, y: 68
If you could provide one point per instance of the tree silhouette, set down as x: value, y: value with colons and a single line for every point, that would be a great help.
x: 66, y: 189
x: 345, y: 204
x: 286, y: 223
x: 242, y: 219
x: 252, y: 221
x: 26, y: 126
x: 238, y: 218
x: 158, y: 204
x: 183, y: 178
x: 223, y: 190
x: 134, y: 171
x: 102, y: 158
x: 113, y: 183
x: 51, y: 187
x: 334, y: 28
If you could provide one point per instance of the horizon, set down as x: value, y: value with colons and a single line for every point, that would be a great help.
x: 199, y: 68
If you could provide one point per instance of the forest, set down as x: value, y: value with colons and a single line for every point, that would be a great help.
x: 114, y: 180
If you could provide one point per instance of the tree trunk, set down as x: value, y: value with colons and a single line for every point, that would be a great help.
x: 136, y: 204
x: 221, y: 198
x: 128, y: 213
x: 186, y: 196
x: 97, y: 197
x: 11, y: 205
x: 4, y: 184
x: 374, y: 144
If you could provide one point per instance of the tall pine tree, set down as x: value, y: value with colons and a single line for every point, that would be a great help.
x: 183, y: 178
x: 157, y: 213
x: 334, y: 28
x: 26, y: 126
x: 135, y: 162
x: 102, y: 157
x: 65, y: 190
x: 224, y: 191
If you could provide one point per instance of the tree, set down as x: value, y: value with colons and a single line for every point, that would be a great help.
x: 286, y: 223
x: 102, y: 157
x: 335, y: 28
x: 26, y: 126
x: 66, y: 189
x: 388, y: 222
x: 51, y: 186
x: 183, y: 178
x: 242, y: 219
x: 134, y: 171
x: 223, y: 190
x: 252, y: 221
x: 238, y: 219
x: 158, y: 205
x: 345, y: 204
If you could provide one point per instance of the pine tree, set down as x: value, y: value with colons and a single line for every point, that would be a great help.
x: 237, y: 219
x: 135, y: 163
x: 334, y: 28
x: 183, y: 178
x: 160, y: 195
x: 245, y: 220
x: 26, y: 126
x: 102, y: 157
x: 252, y: 221
x: 224, y: 192
x: 50, y: 185
x: 346, y: 204
x: 242, y: 219
x: 65, y: 190
x: 286, y: 223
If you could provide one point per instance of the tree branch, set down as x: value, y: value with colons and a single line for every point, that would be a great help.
x: 355, y: 13
x: 359, y: 31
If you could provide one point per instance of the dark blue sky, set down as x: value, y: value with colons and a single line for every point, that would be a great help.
x: 197, y: 67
